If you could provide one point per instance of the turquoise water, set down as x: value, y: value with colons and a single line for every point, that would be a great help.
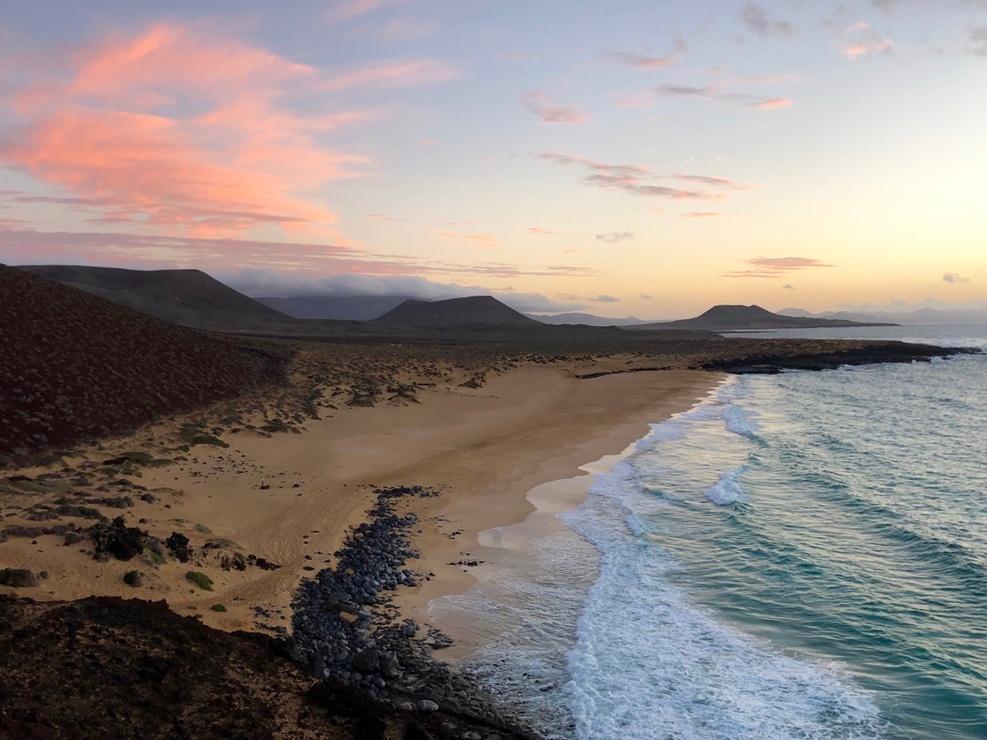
x: 802, y: 555
x: 798, y: 556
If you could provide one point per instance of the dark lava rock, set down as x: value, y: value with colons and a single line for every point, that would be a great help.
x: 18, y: 578
x: 117, y: 539
x: 125, y: 668
x: 133, y: 578
x: 114, y: 502
x: 72, y: 538
x: 177, y: 543
x: 82, y: 512
x: 235, y: 561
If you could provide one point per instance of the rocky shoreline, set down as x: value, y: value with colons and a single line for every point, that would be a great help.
x: 350, y: 667
x: 345, y: 630
x: 874, y: 353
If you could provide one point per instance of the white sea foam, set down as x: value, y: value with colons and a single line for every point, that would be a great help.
x: 649, y: 663
x: 727, y: 490
x: 740, y: 421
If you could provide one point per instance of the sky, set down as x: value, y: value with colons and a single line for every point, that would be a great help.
x: 623, y: 158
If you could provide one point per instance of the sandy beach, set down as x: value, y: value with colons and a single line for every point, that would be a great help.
x: 289, y: 499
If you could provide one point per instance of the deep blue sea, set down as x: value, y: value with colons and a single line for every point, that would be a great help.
x: 798, y: 556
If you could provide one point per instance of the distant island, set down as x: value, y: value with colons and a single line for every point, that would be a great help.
x: 749, y: 318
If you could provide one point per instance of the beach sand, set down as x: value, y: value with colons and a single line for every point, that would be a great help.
x: 290, y: 498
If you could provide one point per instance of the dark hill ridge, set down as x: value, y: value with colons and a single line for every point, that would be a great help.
x: 748, y: 318
x: 75, y: 366
x: 186, y: 297
x: 456, y: 312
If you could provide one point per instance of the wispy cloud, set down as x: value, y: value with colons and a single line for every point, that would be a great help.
x: 548, y: 111
x: 715, y: 182
x: 641, y: 61
x: 386, y: 218
x: 775, y: 267
x: 540, y: 231
x: 344, y: 11
x: 702, y: 214
x: 404, y: 29
x: 978, y: 41
x: 953, y: 278
x: 604, y: 298
x: 756, y: 19
x: 399, y: 73
x: 485, y: 239
x: 615, y: 236
x: 719, y: 91
x: 861, y: 40
x: 642, y: 180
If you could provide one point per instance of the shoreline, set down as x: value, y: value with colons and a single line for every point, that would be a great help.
x: 545, y: 487
x: 289, y: 500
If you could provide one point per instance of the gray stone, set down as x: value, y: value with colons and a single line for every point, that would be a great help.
x: 133, y: 578
x: 426, y: 705
x: 18, y: 578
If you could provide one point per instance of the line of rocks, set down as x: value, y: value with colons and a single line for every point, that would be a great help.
x: 345, y: 632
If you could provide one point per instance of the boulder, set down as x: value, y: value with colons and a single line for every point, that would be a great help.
x: 18, y: 578
x: 133, y: 578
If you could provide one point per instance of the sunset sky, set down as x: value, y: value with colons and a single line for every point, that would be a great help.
x: 645, y: 158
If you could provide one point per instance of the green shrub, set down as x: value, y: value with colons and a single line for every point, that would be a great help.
x: 200, y: 579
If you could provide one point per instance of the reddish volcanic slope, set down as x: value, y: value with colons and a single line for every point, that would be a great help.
x: 74, y: 366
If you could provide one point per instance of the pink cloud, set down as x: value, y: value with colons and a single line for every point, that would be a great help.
x: 551, y: 112
x: 185, y: 128
x: 721, y: 91
x: 774, y: 267
x: 25, y: 246
x: 539, y: 231
x: 485, y: 239
x: 866, y: 48
x: 400, y: 73
x: 787, y: 263
x: 170, y: 55
x: 774, y: 103
x: 861, y: 40
x: 702, y: 214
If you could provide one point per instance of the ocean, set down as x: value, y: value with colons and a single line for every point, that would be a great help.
x: 798, y: 556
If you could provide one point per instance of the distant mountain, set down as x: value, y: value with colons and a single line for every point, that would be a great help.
x: 455, y: 312
x: 583, y: 319
x: 916, y: 316
x: 746, y: 318
x: 186, y: 297
x: 347, y: 308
